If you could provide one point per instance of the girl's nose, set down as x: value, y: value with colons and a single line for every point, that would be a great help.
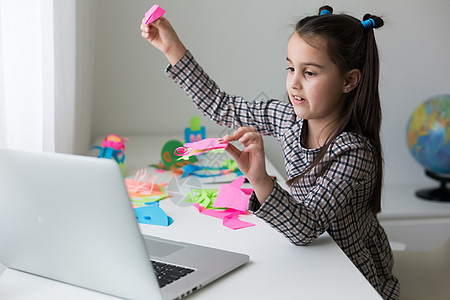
x: 294, y: 82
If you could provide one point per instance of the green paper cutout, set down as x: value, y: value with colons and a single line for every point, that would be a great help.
x: 204, y: 197
x: 195, y: 124
x: 168, y: 157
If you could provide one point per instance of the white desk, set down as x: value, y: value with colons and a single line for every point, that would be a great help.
x: 277, y: 269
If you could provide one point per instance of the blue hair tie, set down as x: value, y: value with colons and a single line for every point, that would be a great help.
x: 368, y: 23
x: 325, y: 12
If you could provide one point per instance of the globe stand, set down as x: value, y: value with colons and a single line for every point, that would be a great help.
x: 441, y: 193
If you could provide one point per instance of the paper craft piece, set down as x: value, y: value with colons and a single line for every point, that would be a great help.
x: 233, y: 196
x: 143, y: 189
x: 195, y: 124
x: 153, y: 215
x: 206, y: 203
x: 113, y: 147
x: 202, y: 197
x: 200, y: 147
x: 232, y: 221
x: 229, y: 217
x: 201, y: 171
x: 169, y: 159
x: 220, y: 214
x: 154, y: 13
x: 146, y: 200
x: 196, y: 132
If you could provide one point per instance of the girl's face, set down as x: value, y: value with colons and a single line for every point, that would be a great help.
x: 314, y: 83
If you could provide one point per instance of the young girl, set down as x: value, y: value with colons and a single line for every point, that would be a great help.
x: 329, y: 133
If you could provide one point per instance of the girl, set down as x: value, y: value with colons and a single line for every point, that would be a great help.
x: 329, y: 133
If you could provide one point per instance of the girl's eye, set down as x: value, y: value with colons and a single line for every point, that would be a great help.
x: 310, y: 74
x: 290, y: 69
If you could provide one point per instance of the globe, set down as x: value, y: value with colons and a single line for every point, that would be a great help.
x: 428, y: 137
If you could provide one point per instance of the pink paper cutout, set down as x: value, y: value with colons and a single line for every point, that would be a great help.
x: 200, y: 147
x: 233, y: 196
x: 154, y: 13
x: 235, y: 199
x: 220, y: 214
x: 232, y: 221
x: 208, y: 143
x: 229, y: 217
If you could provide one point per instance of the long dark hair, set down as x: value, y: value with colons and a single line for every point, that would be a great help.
x: 351, y: 46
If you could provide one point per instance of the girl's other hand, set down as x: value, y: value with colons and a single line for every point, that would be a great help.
x: 162, y: 36
x: 251, y: 160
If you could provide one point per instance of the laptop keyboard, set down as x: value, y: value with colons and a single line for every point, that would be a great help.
x: 167, y: 273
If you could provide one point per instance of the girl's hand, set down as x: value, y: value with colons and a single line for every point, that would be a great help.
x: 251, y: 160
x: 162, y: 36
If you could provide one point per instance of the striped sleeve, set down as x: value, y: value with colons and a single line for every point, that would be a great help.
x: 267, y: 117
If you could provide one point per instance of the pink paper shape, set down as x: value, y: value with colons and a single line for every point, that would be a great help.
x: 233, y: 196
x: 229, y: 217
x: 208, y: 143
x: 232, y: 221
x: 200, y: 147
x: 220, y: 214
x: 154, y: 13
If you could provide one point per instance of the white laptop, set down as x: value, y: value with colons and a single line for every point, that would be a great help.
x: 69, y: 218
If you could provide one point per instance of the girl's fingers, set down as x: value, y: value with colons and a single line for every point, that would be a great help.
x: 233, y: 151
x: 255, y: 148
x: 238, y: 133
x: 249, y: 137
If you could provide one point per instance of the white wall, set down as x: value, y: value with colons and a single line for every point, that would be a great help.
x: 242, y: 45
x: 84, y: 80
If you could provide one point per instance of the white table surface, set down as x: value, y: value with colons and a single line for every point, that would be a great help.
x: 277, y: 268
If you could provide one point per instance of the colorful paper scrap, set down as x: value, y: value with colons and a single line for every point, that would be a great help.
x: 233, y: 196
x: 203, y: 171
x: 153, y: 215
x: 200, y: 147
x: 143, y: 189
x: 229, y: 217
x: 227, y: 204
x: 203, y: 197
x: 154, y: 13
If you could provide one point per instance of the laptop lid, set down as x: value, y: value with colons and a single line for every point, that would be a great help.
x: 68, y: 218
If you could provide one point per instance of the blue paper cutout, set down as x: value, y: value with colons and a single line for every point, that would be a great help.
x: 196, y: 171
x: 152, y: 214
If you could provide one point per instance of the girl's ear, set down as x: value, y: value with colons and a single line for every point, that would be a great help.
x: 352, y: 79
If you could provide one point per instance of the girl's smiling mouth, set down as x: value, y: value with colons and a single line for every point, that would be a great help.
x: 297, y: 99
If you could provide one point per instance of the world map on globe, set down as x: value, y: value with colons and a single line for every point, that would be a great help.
x: 428, y: 134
